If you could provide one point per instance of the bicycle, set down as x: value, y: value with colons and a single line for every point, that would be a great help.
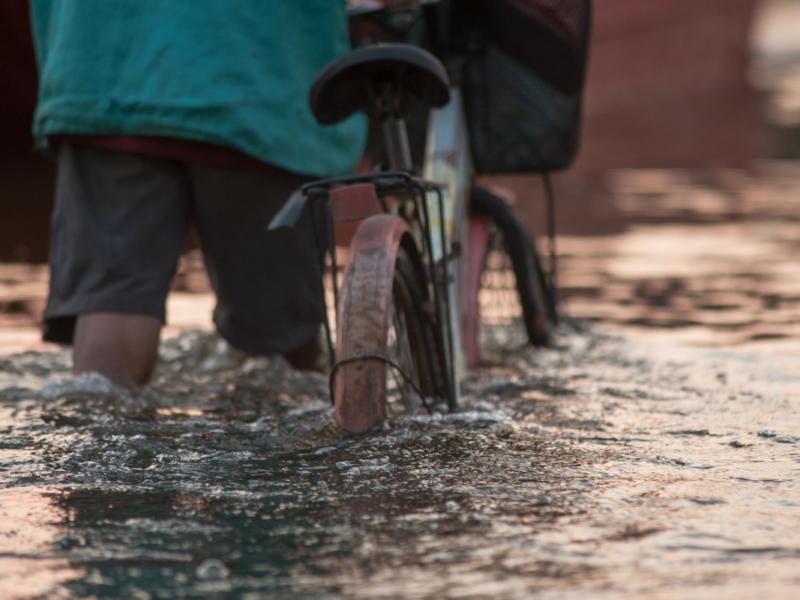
x: 409, y: 295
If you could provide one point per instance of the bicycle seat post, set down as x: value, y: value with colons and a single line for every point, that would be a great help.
x: 395, y: 134
x: 396, y: 138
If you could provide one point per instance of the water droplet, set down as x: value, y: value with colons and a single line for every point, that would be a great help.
x: 212, y: 569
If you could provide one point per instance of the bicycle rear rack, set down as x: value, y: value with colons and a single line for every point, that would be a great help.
x: 393, y: 183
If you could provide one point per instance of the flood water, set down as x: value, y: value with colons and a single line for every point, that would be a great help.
x: 652, y: 453
x: 605, y: 467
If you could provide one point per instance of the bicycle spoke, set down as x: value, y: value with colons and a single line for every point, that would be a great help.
x: 400, y: 352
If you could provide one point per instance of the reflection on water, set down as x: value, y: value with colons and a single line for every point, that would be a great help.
x: 582, y: 469
x: 28, y: 529
x: 712, y: 256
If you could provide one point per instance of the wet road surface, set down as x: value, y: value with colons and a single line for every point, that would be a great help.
x: 604, y: 467
x: 661, y: 465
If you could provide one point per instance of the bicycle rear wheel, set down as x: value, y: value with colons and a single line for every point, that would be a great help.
x: 507, y: 264
x: 411, y: 341
x: 387, y: 356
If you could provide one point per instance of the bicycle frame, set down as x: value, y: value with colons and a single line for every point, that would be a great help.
x: 448, y: 162
x: 424, y: 195
x: 436, y: 208
x: 438, y: 220
x: 444, y: 190
x: 425, y: 235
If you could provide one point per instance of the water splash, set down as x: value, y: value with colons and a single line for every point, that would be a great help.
x: 575, y: 470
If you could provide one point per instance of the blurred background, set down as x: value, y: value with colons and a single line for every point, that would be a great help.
x: 679, y: 215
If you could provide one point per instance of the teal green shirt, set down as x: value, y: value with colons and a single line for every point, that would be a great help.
x: 231, y: 72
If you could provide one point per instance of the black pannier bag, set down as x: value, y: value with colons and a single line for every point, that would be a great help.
x: 524, y: 63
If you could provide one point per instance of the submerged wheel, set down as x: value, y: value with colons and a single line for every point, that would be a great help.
x: 386, y: 350
x: 504, y: 268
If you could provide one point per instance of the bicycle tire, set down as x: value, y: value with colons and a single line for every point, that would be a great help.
x: 379, y: 321
x: 539, y: 312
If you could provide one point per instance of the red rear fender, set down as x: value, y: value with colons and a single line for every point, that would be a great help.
x: 363, y: 318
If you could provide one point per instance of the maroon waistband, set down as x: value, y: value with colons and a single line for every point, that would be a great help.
x: 167, y: 147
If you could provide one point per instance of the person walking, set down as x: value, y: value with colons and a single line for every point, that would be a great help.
x: 163, y: 113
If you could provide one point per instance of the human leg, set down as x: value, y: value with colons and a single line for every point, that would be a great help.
x: 122, y: 347
x: 118, y: 226
x: 268, y: 284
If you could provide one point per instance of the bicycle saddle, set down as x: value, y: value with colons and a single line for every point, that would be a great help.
x: 379, y: 80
